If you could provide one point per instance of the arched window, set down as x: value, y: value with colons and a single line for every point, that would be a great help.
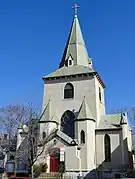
x: 107, y: 144
x: 44, y: 135
x: 67, y: 123
x: 100, y: 98
x: 82, y: 137
x: 69, y: 91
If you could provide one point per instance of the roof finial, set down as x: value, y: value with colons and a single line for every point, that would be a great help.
x: 75, y: 7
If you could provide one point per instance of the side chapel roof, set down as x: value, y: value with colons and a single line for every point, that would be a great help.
x: 112, y: 120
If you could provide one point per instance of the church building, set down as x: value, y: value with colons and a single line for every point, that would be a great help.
x: 87, y: 138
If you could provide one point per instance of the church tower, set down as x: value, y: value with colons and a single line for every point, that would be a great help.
x: 75, y: 93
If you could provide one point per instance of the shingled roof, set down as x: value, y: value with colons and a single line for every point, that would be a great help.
x: 75, y: 46
x: 71, y: 70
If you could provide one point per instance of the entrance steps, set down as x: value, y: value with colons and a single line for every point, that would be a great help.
x: 53, y: 175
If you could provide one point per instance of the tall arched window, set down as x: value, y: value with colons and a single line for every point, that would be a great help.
x: 82, y: 137
x: 100, y: 98
x: 67, y: 123
x: 107, y: 144
x: 69, y: 91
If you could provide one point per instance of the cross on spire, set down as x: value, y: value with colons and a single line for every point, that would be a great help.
x: 75, y: 7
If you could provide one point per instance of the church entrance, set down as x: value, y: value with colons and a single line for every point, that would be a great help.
x: 55, y: 160
x: 67, y: 123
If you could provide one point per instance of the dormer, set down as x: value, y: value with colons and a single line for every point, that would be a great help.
x: 69, y: 61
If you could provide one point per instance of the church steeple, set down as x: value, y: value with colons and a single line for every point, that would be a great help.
x: 75, y: 52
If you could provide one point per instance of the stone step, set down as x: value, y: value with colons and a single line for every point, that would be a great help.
x: 53, y: 175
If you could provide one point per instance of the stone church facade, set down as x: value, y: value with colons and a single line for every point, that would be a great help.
x: 87, y: 138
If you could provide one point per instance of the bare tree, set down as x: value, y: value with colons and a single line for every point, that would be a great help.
x: 29, y: 150
x: 12, y: 115
x: 38, y: 145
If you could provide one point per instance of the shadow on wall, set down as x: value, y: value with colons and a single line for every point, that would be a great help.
x: 108, y: 169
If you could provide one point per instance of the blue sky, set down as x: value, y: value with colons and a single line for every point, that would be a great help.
x: 33, y: 35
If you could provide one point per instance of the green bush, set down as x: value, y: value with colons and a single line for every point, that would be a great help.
x: 35, y: 168
x: 41, y: 168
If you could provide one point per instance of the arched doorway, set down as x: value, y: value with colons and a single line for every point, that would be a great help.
x: 67, y: 123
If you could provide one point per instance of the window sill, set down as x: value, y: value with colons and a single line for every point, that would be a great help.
x: 67, y: 99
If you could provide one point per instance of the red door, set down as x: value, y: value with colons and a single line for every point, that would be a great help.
x: 54, y: 162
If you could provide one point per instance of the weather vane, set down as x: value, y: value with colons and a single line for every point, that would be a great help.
x: 75, y: 7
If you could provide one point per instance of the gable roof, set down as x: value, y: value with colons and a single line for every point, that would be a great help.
x: 46, y: 113
x: 65, y: 138
x: 84, y: 111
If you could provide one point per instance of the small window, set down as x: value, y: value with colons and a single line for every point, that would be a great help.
x: 70, y: 62
x: 12, y: 157
x: 100, y: 98
x: 82, y: 137
x: 107, y: 144
x: 68, y: 91
x: 55, y: 141
x: 44, y: 135
x: 5, y: 136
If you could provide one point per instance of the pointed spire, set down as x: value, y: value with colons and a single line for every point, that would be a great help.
x: 84, y: 111
x: 123, y: 118
x: 75, y: 47
x: 46, y: 112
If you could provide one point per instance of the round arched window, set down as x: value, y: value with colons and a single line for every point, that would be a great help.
x: 68, y: 91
